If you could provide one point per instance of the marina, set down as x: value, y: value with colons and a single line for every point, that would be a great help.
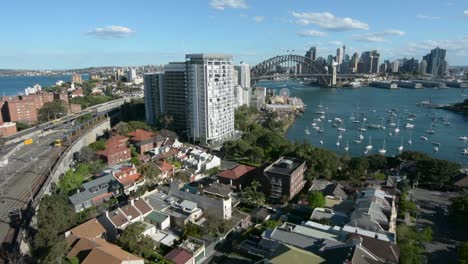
x: 357, y: 121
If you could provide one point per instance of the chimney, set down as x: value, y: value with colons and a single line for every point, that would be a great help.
x: 132, y: 202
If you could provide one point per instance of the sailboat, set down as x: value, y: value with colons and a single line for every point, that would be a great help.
x: 340, y: 136
x: 347, y: 146
x: 400, y: 148
x: 382, y: 151
x: 397, y: 129
x: 321, y: 142
x: 409, y: 140
x: 369, y: 147
x: 361, y: 137
x: 321, y: 129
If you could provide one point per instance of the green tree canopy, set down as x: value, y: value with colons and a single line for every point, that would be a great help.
x: 52, y: 110
x: 316, y: 199
x: 252, y: 195
x: 459, y: 210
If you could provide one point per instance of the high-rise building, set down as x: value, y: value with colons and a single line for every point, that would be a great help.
x: 243, y: 75
x: 131, y: 75
x: 176, y: 95
x: 409, y: 65
x: 370, y: 61
x: 154, y: 96
x: 395, y: 66
x: 339, y: 56
x: 354, y: 63
x: 422, y: 67
x: 436, y: 63
x: 76, y: 78
x: 312, y: 53
x: 211, y: 97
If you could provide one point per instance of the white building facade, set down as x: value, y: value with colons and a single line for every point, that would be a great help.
x: 211, y: 97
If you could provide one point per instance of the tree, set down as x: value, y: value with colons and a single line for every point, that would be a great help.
x: 316, y: 199
x: 52, y: 110
x: 463, y: 253
x: 133, y: 241
x: 215, y: 226
x: 459, y: 210
x: 70, y: 181
x: 87, y: 154
x: 150, y: 172
x: 98, y: 145
x: 251, y: 194
x: 192, y: 230
x: 358, y: 167
x: 46, y: 242
x: 425, y: 235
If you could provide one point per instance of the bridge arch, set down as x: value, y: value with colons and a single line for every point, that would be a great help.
x: 305, y: 64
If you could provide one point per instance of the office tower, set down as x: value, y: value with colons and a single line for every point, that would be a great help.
x: 154, y: 96
x: 312, y: 53
x: 176, y: 96
x: 330, y: 60
x: 210, y: 97
x: 131, y: 75
x: 243, y: 75
x: 409, y: 65
x: 422, y: 67
x: 395, y: 66
x: 354, y: 62
x: 339, y: 56
x: 436, y: 64
x: 76, y: 78
x: 383, y: 68
x: 370, y: 60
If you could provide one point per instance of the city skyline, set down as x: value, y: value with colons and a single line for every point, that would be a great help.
x: 60, y: 35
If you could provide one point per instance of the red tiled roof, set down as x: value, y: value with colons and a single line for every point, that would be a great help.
x: 129, y: 179
x: 89, y: 229
x: 236, y: 172
x: 141, y: 135
x: 143, y: 206
x: 165, y: 167
x: 178, y: 256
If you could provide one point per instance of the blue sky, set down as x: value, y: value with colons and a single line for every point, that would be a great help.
x: 58, y: 34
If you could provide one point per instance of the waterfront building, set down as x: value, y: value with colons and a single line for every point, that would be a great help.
x: 76, y: 78
x: 154, y: 96
x: 436, y: 63
x: 422, y: 67
x: 211, y: 97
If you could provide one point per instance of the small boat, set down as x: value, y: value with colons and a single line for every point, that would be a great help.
x: 464, y: 138
x: 335, y: 125
x: 357, y: 141
x: 436, y: 149
x: 408, y: 125
x: 342, y: 128
x: 314, y: 124
x: 424, y: 138
x: 409, y: 140
x: 362, y: 129
x: 361, y: 137
x: 337, y: 119
x: 321, y: 129
x: 347, y: 146
x: 410, y: 119
x: 447, y: 123
x: 321, y: 142
x: 430, y: 131
x: 412, y: 115
x: 465, y: 151
x: 337, y: 143
x: 320, y: 112
x: 373, y: 110
x: 397, y: 129
x: 329, y: 120
x: 436, y: 144
x: 369, y: 147
x: 365, y: 152
x: 376, y: 126
x: 400, y: 148
x: 307, y: 131
x: 340, y: 136
x: 322, y: 116
x: 356, y: 121
x: 382, y: 151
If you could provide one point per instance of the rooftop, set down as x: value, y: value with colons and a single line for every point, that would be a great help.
x: 289, y: 254
x: 94, y: 188
x: 141, y: 135
x: 236, y: 172
x: 89, y: 229
x: 178, y: 256
x: 284, y: 166
x: 157, y: 217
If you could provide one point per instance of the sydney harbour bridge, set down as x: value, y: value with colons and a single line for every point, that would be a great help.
x: 297, y: 66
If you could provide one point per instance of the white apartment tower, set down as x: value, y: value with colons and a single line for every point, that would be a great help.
x: 210, y: 97
x: 154, y: 96
x: 131, y: 75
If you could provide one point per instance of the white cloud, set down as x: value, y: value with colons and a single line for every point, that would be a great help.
x: 312, y: 33
x: 421, y: 16
x: 223, y: 4
x: 465, y: 13
x: 258, y: 18
x: 329, y: 21
x: 336, y: 43
x: 111, y: 32
x: 378, y: 36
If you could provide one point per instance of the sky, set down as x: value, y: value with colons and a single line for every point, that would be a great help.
x: 58, y: 34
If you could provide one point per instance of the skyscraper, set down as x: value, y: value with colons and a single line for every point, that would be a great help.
x: 354, y: 62
x: 243, y: 75
x: 176, y: 96
x: 131, y: 75
x: 422, y: 67
x: 154, y: 96
x: 312, y: 53
x: 210, y: 97
x: 370, y: 61
x: 436, y: 63
x: 339, y: 56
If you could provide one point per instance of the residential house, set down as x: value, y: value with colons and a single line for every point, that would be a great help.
x: 179, y: 256
x: 143, y: 140
x: 167, y: 170
x: 160, y: 220
x: 117, y: 220
x: 90, y: 229
x: 129, y: 177
x: 116, y: 150
x: 95, y: 192
x: 239, y: 176
x: 201, y: 161
x: 289, y: 254
x: 191, y: 251
x: 285, y: 177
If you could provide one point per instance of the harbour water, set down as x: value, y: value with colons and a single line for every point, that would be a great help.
x: 375, y: 105
x: 12, y: 85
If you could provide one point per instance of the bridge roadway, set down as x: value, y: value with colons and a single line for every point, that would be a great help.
x: 338, y: 76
